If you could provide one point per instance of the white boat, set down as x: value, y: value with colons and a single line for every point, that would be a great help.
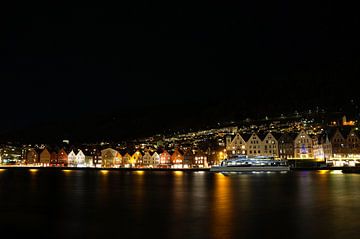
x: 242, y: 163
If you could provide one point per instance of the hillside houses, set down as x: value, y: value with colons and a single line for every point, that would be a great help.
x: 332, y: 144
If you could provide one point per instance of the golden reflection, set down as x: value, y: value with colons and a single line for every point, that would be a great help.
x: 104, y: 172
x: 178, y: 173
x: 139, y: 193
x: 178, y: 199
x: 323, y: 171
x: 33, y: 170
x: 67, y: 170
x: 222, y: 208
x: 140, y: 172
x: 2, y: 170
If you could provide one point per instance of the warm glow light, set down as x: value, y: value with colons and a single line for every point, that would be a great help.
x: 2, y: 170
x: 178, y: 173
x: 104, y: 171
x: 66, y: 170
x: 323, y: 171
x: 139, y: 172
x: 33, y: 170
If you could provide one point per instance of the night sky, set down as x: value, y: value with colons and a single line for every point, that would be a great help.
x: 144, y: 66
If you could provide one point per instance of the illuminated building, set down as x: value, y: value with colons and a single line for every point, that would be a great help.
x: 155, y: 160
x: 286, y: 146
x: 347, y: 123
x: 338, y: 143
x: 322, y: 147
x: 353, y: 142
x: 236, y: 146
x: 118, y: 160
x: 165, y: 159
x: 200, y: 160
x: 147, y: 159
x: 303, y: 146
x: 126, y: 160
x: 177, y: 159
x: 80, y: 159
x: 62, y: 158
x: 72, y: 159
x: 188, y: 158
x: 136, y: 159
x: 270, y: 146
x: 254, y: 145
x: 108, y: 157
x: 45, y: 157
x: 53, y: 159
x: 32, y: 157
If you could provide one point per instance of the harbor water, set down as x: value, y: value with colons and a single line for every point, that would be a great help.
x: 159, y: 204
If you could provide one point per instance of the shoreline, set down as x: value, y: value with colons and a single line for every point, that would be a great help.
x: 347, y: 169
x: 99, y: 169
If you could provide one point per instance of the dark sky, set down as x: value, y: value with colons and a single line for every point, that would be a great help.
x: 64, y: 62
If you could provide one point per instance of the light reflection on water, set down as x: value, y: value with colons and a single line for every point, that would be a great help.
x: 222, y: 205
x: 180, y: 204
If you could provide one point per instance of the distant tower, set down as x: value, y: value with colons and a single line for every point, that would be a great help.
x: 344, y: 121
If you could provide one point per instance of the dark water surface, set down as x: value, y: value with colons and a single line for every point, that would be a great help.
x: 112, y: 204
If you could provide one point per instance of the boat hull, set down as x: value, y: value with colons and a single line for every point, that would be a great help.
x: 250, y: 169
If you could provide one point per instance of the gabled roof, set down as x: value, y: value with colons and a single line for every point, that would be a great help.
x: 253, y: 134
x: 165, y: 151
x: 155, y: 154
x: 113, y: 151
x: 179, y: 151
x: 188, y: 152
x: 345, y: 131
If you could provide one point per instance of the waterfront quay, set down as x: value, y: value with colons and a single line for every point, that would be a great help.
x: 102, y: 169
x: 36, y: 168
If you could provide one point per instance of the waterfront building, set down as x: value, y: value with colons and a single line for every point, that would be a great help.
x: 97, y: 158
x: 62, y: 158
x: 189, y: 156
x: 327, y: 147
x: 11, y: 155
x: 338, y: 143
x: 303, y: 146
x: 270, y: 146
x: 353, y: 143
x: 146, y: 159
x: 286, y: 146
x: 155, y: 160
x: 177, y: 159
x: 200, y: 160
x: 126, y: 160
x: 236, y: 146
x: 45, y: 157
x: 108, y: 157
x: 72, y: 159
x: 254, y: 145
x: 80, y: 159
x: 118, y: 160
x: 32, y: 157
x: 322, y: 147
x: 136, y: 159
x: 89, y: 161
x: 53, y: 158
x: 165, y: 159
